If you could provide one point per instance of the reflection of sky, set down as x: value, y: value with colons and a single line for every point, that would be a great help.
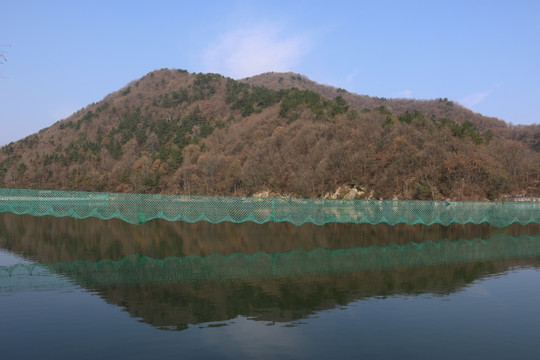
x: 28, y: 277
x: 495, y: 317
x: 254, y: 339
x: 10, y: 259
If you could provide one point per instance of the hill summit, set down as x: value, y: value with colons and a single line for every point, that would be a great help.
x: 275, y: 134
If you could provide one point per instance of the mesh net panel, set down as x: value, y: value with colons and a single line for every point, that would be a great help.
x: 138, y: 208
x: 138, y: 269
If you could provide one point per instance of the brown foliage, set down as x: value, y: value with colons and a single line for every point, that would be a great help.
x: 175, y: 132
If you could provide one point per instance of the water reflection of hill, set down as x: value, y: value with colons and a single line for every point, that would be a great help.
x: 172, y: 275
x: 48, y: 239
x: 176, y: 306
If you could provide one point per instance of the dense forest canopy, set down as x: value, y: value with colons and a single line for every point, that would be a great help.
x: 276, y: 134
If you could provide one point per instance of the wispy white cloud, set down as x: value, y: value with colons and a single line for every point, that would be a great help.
x: 477, y: 97
x: 407, y: 94
x: 350, y: 77
x: 250, y: 51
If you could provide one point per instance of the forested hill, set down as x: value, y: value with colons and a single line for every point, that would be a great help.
x: 278, y: 134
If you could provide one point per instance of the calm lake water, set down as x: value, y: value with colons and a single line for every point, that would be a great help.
x: 91, y: 289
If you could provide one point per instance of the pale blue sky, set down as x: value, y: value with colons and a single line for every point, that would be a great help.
x: 63, y: 55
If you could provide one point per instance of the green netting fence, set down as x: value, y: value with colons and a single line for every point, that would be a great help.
x: 139, y: 208
x: 138, y: 269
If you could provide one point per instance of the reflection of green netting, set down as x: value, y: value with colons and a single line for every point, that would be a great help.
x: 138, y: 269
x: 138, y: 208
x: 31, y: 277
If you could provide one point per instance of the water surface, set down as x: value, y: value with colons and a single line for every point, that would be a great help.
x: 89, y: 288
